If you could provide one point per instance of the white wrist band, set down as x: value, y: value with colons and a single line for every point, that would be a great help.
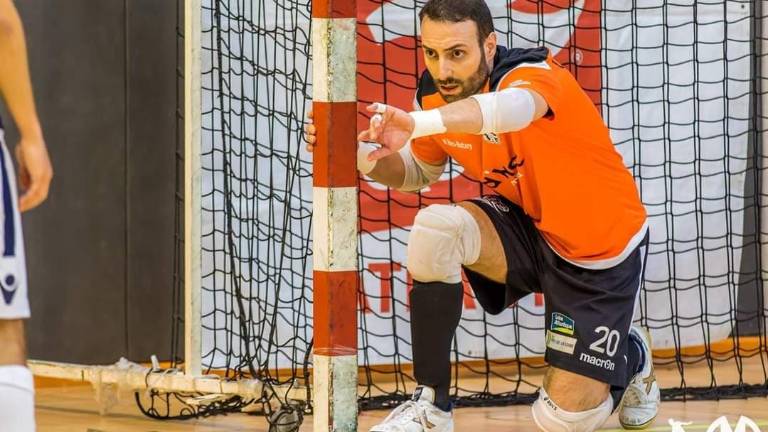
x: 427, y: 123
x: 364, y: 165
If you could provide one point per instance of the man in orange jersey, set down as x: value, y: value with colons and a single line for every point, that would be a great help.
x: 17, y: 409
x: 566, y: 220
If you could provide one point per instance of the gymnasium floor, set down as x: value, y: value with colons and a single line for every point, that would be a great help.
x: 74, y: 410
x: 66, y: 407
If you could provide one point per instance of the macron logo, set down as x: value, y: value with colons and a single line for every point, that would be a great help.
x: 603, y: 363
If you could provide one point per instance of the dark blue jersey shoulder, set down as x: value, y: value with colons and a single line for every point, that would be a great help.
x: 504, y: 61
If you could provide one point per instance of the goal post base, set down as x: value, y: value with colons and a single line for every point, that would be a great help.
x: 130, y: 376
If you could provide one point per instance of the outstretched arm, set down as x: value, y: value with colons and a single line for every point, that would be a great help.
x: 35, y: 170
x: 502, y: 111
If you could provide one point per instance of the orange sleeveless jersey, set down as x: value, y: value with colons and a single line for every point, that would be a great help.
x: 562, y: 169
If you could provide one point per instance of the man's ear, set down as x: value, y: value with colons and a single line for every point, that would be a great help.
x: 490, y: 46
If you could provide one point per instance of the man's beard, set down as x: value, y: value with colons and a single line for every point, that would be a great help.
x: 471, y: 85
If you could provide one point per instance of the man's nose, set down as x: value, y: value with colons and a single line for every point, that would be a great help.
x: 446, y: 70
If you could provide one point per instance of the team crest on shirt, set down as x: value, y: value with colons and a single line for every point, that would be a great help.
x: 491, y: 137
x: 562, y: 324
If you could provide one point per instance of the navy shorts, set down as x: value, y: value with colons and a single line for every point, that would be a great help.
x: 588, y: 312
x: 14, y: 303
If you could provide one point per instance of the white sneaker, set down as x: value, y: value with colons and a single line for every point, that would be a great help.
x: 640, y: 402
x: 417, y: 415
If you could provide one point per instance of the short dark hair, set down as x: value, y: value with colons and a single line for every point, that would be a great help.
x: 460, y: 10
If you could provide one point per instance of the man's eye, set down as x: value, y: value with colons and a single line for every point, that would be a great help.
x: 458, y: 54
x: 430, y: 53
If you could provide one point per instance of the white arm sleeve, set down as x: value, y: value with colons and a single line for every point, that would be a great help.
x: 418, y: 174
x: 506, y: 110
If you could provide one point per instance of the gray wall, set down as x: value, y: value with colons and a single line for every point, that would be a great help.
x: 100, y: 251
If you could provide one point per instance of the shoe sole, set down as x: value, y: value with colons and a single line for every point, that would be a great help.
x: 637, y: 427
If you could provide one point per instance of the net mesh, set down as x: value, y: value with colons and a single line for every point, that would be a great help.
x: 679, y: 85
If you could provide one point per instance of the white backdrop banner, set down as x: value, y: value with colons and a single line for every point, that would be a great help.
x: 673, y: 88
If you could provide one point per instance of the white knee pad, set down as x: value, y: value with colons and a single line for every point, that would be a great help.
x: 551, y: 418
x: 443, y: 238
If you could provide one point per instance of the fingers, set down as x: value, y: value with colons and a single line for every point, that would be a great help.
x: 36, y: 193
x: 310, y: 133
x: 311, y: 147
x: 24, y: 179
x: 311, y: 143
x: 35, y: 171
x: 374, y: 126
x: 364, y: 136
x: 377, y: 107
x: 379, y: 153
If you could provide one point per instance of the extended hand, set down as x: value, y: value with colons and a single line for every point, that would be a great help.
x: 390, y: 127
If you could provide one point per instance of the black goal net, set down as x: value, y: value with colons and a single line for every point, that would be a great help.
x: 679, y: 86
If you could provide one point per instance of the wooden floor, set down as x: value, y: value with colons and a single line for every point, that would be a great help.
x: 73, y: 408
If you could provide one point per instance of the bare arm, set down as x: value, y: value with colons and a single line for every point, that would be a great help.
x: 35, y: 171
x: 392, y: 127
x: 15, y: 85
x: 389, y: 171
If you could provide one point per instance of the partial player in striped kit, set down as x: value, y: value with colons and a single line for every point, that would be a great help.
x: 35, y: 173
x: 565, y: 220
